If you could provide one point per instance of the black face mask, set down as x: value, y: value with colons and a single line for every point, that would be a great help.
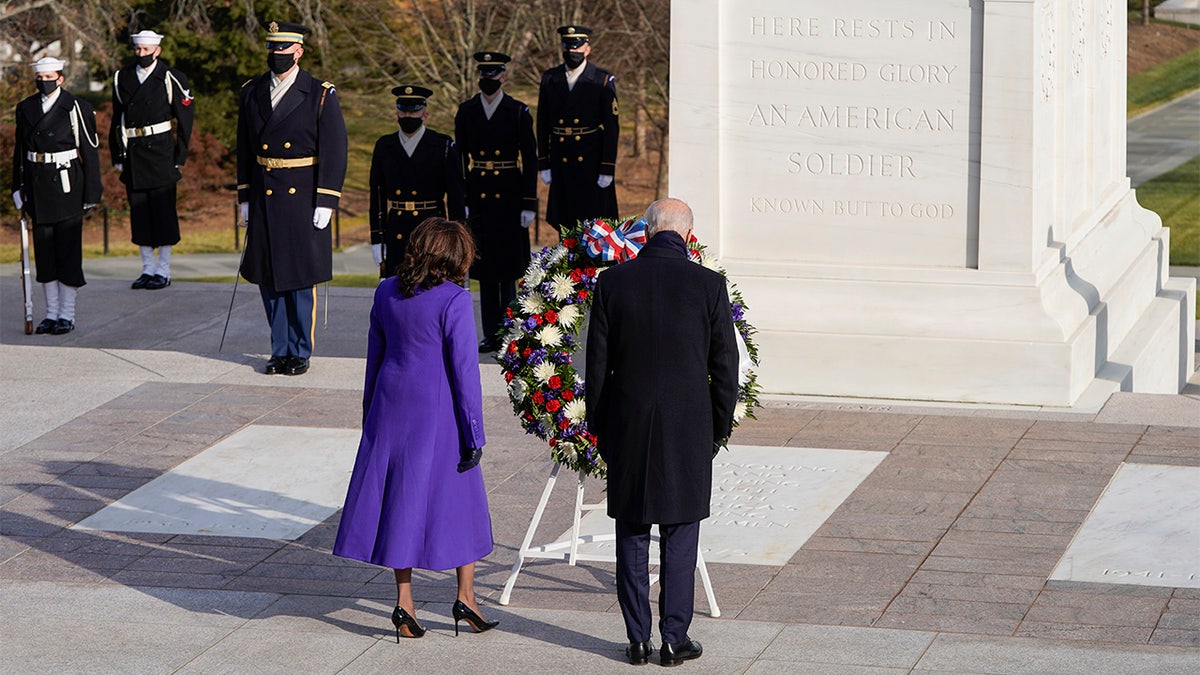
x: 47, y: 87
x: 409, y: 125
x: 489, y: 86
x: 280, y: 63
x: 145, y: 61
x: 573, y: 59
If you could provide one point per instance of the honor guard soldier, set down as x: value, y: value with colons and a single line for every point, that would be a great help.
x: 56, y: 177
x: 416, y: 173
x: 291, y: 164
x: 494, y: 135
x: 577, y: 134
x: 148, y: 139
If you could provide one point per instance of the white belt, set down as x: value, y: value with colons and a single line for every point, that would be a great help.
x: 52, y: 157
x: 159, y: 128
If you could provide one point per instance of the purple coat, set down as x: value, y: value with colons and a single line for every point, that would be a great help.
x: 407, y: 505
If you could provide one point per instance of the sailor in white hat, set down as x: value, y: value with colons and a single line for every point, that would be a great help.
x: 56, y: 177
x: 153, y: 111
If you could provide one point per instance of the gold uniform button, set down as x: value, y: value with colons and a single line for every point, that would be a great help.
x: 561, y: 139
x: 497, y: 196
x: 269, y: 193
x: 399, y: 236
x: 561, y: 121
x: 564, y: 160
x: 482, y: 153
x: 291, y: 191
x: 483, y: 195
x: 414, y: 193
x: 580, y: 158
x: 576, y: 138
x: 264, y: 146
x: 497, y: 152
x: 397, y: 192
x: 288, y: 144
x: 495, y: 173
x: 414, y: 213
x: 268, y: 169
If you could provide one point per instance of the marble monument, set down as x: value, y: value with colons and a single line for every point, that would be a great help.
x: 927, y: 199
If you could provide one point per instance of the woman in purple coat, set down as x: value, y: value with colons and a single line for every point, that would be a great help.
x: 416, y: 496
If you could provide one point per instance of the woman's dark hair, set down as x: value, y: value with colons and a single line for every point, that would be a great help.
x: 438, y: 250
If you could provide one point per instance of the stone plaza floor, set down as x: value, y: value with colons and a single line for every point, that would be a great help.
x: 935, y: 554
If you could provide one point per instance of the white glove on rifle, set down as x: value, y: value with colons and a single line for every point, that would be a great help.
x: 377, y: 253
x: 604, y: 181
x: 244, y: 212
x: 321, y: 217
x: 527, y: 218
x: 17, y: 200
x: 546, y: 176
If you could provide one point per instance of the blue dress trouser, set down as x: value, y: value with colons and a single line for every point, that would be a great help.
x: 677, y: 546
x: 292, y: 316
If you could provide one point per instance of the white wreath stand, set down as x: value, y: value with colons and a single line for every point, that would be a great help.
x: 555, y: 551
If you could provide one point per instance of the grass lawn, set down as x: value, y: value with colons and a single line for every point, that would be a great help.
x: 1175, y: 196
x: 1164, y: 82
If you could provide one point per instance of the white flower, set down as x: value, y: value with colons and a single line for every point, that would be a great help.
x: 739, y: 411
x: 531, y: 303
x: 575, y: 410
x: 514, y: 334
x: 709, y: 261
x: 568, y: 315
x: 535, y: 274
x: 543, y: 371
x: 517, y: 390
x: 561, y: 287
x: 556, y: 254
x: 550, y: 335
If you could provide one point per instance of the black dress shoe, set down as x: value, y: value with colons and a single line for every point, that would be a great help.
x: 295, y: 366
x: 639, y: 653
x: 141, y: 281
x: 158, y: 281
x: 673, y: 655
x: 275, y: 365
x: 62, y: 327
x: 46, y: 326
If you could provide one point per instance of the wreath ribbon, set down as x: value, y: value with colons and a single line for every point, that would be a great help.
x: 615, y: 244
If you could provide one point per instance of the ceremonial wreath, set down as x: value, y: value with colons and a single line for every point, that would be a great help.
x: 543, y: 326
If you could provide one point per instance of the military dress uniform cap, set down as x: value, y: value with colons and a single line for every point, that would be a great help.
x: 48, y: 64
x: 410, y: 97
x: 146, y: 37
x: 281, y: 35
x: 491, y: 63
x: 574, y: 36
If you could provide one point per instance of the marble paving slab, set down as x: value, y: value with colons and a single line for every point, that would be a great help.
x: 766, y: 503
x: 1143, y: 530
x: 264, y: 481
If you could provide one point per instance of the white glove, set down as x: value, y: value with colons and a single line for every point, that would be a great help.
x: 604, y: 181
x: 17, y: 200
x: 377, y: 253
x: 88, y: 207
x: 466, y: 212
x: 244, y: 211
x: 121, y: 167
x: 527, y: 218
x: 546, y: 176
x: 321, y: 217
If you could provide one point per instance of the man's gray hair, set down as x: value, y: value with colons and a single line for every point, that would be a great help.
x: 668, y: 214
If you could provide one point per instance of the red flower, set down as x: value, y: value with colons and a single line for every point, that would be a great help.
x: 563, y: 423
x: 583, y: 294
x: 555, y: 382
x: 576, y: 276
x: 538, y: 398
x: 569, y: 242
x: 538, y: 319
x: 525, y: 352
x: 512, y: 347
x: 590, y: 271
x: 551, y: 316
x: 508, y: 376
x: 553, y: 405
x: 567, y: 395
x: 553, y: 442
x: 508, y: 312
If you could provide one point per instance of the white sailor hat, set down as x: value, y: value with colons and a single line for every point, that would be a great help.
x: 48, y: 64
x: 146, y: 37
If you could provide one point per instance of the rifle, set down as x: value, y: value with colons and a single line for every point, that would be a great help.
x: 237, y: 276
x: 26, y: 277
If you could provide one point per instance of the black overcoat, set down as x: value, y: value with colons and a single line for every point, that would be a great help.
x: 429, y: 183
x: 661, y: 382
x: 284, y: 251
x: 151, y: 161
x: 583, y: 148
x: 41, y: 183
x: 497, y: 193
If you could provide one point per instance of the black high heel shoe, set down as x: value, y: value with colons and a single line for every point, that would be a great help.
x: 402, y: 619
x: 463, y: 613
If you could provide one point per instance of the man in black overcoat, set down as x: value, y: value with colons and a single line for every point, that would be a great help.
x: 148, y: 139
x: 291, y: 164
x: 494, y: 135
x: 416, y: 173
x: 577, y: 134
x: 56, y: 177
x: 661, y: 389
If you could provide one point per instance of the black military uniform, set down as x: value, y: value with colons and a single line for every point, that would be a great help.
x: 577, y: 136
x: 499, y: 153
x: 291, y: 164
x: 148, y: 139
x: 406, y: 189
x: 56, y: 175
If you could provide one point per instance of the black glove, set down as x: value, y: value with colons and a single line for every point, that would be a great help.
x: 469, y: 458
